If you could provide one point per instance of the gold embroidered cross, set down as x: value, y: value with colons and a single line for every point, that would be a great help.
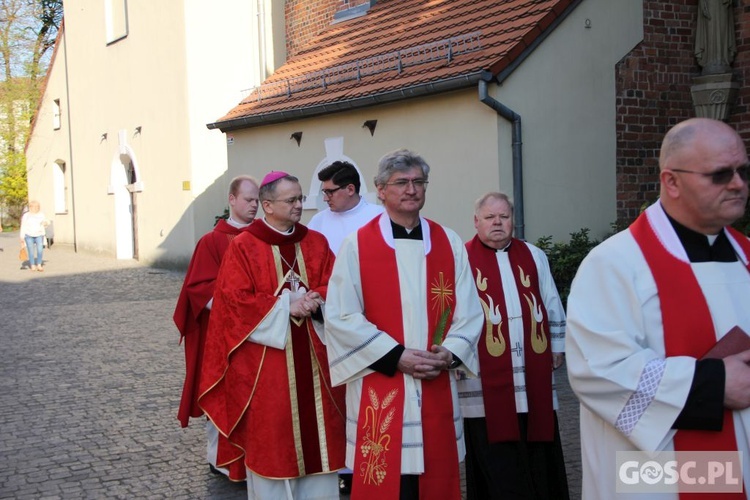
x: 442, y: 293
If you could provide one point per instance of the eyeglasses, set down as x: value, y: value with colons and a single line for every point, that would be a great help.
x: 403, y: 183
x: 721, y: 176
x: 329, y: 192
x: 292, y: 201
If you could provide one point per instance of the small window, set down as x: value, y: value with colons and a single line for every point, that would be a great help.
x: 116, y: 19
x: 56, y: 114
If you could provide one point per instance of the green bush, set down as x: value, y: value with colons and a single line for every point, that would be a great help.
x: 743, y: 225
x: 564, y: 258
x: 225, y: 216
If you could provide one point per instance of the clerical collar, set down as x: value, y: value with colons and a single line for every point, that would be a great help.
x: 698, y: 246
x: 504, y: 249
x: 237, y: 224
x: 401, y: 233
x: 288, y: 232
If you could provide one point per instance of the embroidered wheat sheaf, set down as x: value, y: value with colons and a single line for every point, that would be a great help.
x: 389, y: 398
x: 376, y: 440
x: 373, y: 398
x: 388, y: 419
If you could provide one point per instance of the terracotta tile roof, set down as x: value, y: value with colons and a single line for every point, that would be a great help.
x: 355, y: 63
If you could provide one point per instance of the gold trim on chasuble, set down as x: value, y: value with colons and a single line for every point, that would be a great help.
x: 376, y: 439
x: 538, y: 339
x: 493, y: 320
x: 320, y: 415
x: 292, y: 375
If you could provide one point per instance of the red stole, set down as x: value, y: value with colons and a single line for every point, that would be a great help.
x: 377, y: 463
x: 496, y: 367
x: 688, y: 327
x: 191, y: 316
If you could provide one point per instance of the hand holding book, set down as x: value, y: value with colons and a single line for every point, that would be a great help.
x: 733, y: 342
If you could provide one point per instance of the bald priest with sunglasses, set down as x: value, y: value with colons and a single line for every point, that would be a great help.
x: 647, y: 305
x: 265, y: 382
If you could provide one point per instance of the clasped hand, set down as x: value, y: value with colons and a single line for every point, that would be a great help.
x: 737, y: 381
x: 425, y: 365
x: 305, y: 305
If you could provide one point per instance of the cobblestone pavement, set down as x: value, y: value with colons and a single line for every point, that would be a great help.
x: 90, y: 380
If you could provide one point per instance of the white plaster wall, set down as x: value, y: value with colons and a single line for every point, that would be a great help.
x: 222, y: 63
x: 451, y: 133
x: 138, y: 81
x: 45, y: 147
x: 565, y: 93
x: 181, y: 66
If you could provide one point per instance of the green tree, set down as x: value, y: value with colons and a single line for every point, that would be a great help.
x: 28, y: 29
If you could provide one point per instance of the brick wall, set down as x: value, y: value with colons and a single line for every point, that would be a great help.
x: 348, y: 4
x: 653, y: 94
x: 305, y: 19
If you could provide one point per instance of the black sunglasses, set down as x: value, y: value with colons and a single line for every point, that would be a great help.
x: 721, y: 176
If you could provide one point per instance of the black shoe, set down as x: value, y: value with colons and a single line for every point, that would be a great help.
x: 345, y: 484
x: 214, y: 470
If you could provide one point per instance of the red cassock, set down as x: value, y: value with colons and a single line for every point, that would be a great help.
x: 191, y: 315
x: 276, y: 407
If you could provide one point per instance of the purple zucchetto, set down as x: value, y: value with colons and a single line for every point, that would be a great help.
x: 271, y: 176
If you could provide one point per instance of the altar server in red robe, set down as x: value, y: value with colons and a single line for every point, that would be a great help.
x: 265, y: 381
x: 196, y: 297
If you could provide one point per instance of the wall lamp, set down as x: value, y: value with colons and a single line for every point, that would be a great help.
x: 103, y: 137
x: 370, y: 125
x: 297, y: 136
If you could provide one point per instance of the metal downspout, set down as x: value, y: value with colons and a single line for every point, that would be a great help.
x: 515, y: 119
x: 70, y: 139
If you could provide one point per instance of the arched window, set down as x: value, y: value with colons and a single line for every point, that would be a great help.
x: 61, y: 187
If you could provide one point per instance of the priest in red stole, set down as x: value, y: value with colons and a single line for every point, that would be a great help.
x: 402, y: 314
x: 512, y: 437
x: 646, y: 305
x: 265, y: 381
x: 196, y: 298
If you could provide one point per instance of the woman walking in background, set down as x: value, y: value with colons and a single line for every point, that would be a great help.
x: 33, y: 224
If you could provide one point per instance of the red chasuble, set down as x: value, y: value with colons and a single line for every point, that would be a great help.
x: 495, y: 364
x: 377, y: 462
x: 191, y: 315
x: 276, y: 407
x: 688, y: 328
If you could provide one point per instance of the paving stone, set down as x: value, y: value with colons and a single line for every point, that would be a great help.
x: 90, y: 382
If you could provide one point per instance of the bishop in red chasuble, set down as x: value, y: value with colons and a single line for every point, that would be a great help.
x: 265, y: 382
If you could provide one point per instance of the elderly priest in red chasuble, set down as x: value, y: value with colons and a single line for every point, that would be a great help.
x: 265, y: 381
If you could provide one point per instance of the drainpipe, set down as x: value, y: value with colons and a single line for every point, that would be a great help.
x: 70, y: 139
x: 515, y: 119
x: 262, y: 39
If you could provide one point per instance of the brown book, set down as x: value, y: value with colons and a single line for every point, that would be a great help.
x: 735, y: 341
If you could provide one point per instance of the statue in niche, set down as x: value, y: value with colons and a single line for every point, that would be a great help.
x: 715, y: 45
